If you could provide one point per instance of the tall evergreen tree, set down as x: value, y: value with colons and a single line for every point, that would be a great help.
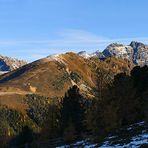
x: 25, y: 137
x: 51, y: 125
x: 72, y: 110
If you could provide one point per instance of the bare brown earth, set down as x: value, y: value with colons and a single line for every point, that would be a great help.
x: 52, y: 76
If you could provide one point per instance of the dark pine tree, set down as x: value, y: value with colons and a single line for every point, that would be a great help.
x: 25, y: 137
x: 72, y: 111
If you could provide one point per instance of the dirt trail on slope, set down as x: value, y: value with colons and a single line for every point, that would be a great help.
x: 15, y: 93
x: 14, y: 99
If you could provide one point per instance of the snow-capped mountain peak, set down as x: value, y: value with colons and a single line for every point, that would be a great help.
x: 136, y: 52
x: 9, y: 64
x: 84, y: 54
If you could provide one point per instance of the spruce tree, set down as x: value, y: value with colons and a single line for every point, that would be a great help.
x: 72, y: 110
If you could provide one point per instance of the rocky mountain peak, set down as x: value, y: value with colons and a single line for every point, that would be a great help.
x: 135, y: 44
x: 9, y: 64
x: 136, y: 52
x: 114, y: 45
x: 118, y: 51
x: 83, y: 54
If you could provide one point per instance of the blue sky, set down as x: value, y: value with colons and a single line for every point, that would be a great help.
x: 31, y: 29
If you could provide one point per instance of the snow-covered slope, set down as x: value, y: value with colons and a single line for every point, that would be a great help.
x: 98, y: 54
x: 133, y: 136
x: 9, y: 64
x: 119, y: 51
x: 84, y: 54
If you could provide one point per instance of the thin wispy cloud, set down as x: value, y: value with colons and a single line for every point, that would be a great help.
x: 69, y: 37
x: 66, y: 40
x: 43, y: 27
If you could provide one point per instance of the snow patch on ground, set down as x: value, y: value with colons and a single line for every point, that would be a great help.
x: 116, y: 141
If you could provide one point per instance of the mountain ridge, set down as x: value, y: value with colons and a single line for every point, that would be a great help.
x: 136, y: 52
x: 53, y: 75
x: 9, y: 63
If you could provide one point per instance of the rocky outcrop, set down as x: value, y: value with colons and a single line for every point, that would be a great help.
x: 140, y: 55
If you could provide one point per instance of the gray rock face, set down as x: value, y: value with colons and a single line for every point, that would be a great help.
x: 140, y: 56
x: 9, y: 64
x: 119, y: 51
x: 136, y: 52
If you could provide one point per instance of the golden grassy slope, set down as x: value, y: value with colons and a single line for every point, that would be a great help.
x: 52, y: 76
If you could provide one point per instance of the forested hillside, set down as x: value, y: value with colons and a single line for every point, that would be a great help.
x: 117, y: 104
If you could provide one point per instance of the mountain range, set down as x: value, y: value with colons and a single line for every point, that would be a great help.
x: 135, y: 52
x: 53, y: 75
x: 8, y: 64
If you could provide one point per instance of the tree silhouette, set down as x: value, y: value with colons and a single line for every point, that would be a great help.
x: 26, y: 136
x: 72, y: 110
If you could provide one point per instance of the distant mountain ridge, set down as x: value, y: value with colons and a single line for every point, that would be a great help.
x: 9, y: 64
x: 136, y: 52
